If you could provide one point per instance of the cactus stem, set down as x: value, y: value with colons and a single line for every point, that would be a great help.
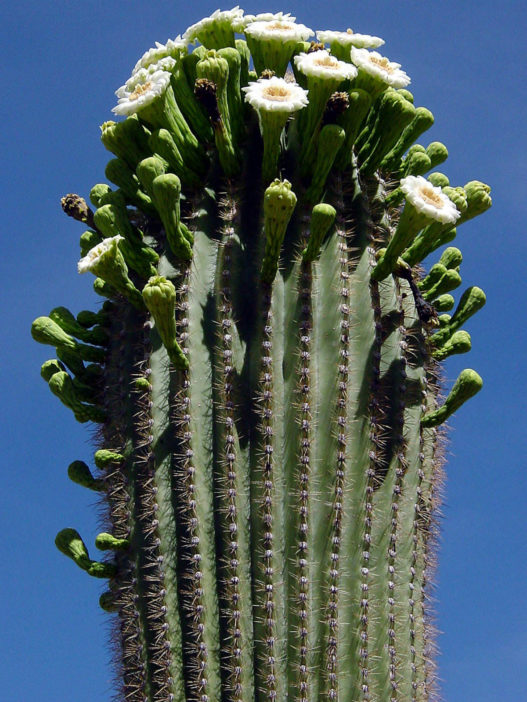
x: 234, y: 470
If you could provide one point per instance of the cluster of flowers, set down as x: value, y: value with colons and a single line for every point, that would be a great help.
x: 350, y: 58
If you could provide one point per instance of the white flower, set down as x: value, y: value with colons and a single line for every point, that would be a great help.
x: 378, y: 66
x: 275, y: 95
x: 233, y: 17
x: 265, y: 17
x: 349, y: 39
x: 92, y: 258
x: 140, y: 90
x: 284, y: 29
x: 154, y: 55
x: 429, y: 200
x: 321, y: 64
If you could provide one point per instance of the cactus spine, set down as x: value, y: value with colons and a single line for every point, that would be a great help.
x: 265, y: 371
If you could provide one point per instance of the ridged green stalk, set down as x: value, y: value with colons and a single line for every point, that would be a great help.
x: 266, y: 379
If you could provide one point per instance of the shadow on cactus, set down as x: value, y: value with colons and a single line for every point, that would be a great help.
x: 265, y: 369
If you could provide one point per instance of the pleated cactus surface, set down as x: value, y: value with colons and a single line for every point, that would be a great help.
x: 265, y: 369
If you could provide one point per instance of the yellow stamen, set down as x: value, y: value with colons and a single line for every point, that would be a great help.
x: 280, y: 26
x: 382, y: 63
x: 431, y: 197
x: 277, y: 93
x: 140, y: 90
x: 326, y: 61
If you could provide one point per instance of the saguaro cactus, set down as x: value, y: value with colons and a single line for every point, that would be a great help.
x: 265, y: 371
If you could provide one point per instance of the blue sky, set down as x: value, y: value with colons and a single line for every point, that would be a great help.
x: 62, y: 63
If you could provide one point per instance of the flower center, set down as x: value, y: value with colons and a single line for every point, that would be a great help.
x: 382, y: 63
x: 279, y: 26
x: 349, y: 31
x: 276, y: 93
x: 431, y: 197
x: 326, y: 61
x: 140, y: 90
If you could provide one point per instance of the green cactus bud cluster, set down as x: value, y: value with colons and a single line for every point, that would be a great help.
x: 265, y: 372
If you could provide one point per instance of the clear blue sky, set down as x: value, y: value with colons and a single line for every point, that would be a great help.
x: 62, y: 62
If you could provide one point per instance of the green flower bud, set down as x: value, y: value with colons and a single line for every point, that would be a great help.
x: 466, y: 386
x: 46, y: 331
x: 434, y: 275
x: 451, y: 257
x: 437, y: 153
x: 118, y: 172
x: 213, y: 69
x: 427, y: 242
x: 49, y: 368
x: 148, y: 169
x: 394, y: 114
x: 88, y: 319
x: 478, y: 200
x: 108, y: 603
x: 444, y: 303
x: 330, y: 140
x: 78, y: 472
x: 160, y: 298
x: 166, y: 190
x: 103, y: 457
x: 108, y: 542
x: 190, y: 107
x: 70, y: 543
x: 422, y: 121
x: 351, y: 119
x: 64, y: 318
x: 417, y: 163
x: 62, y: 386
x: 127, y: 140
x: 234, y: 95
x: 472, y: 300
x: 322, y: 218
x: 279, y: 203
x: 245, y: 59
x: 98, y: 192
x: 459, y: 342
x: 440, y: 180
x: 142, y: 385
x: 450, y: 280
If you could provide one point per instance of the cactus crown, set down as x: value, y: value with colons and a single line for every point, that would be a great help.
x: 265, y: 369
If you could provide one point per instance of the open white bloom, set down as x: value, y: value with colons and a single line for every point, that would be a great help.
x: 160, y: 51
x: 284, y: 29
x: 429, y: 199
x: 140, y: 90
x: 232, y: 17
x: 266, y: 17
x: 93, y: 257
x: 379, y: 67
x: 349, y: 39
x: 321, y: 64
x: 275, y: 95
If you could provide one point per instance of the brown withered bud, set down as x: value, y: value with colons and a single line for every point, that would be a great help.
x: 205, y: 92
x: 336, y: 105
x: 75, y: 206
x: 315, y: 46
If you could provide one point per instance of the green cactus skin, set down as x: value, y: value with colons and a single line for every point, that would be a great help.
x: 268, y: 407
